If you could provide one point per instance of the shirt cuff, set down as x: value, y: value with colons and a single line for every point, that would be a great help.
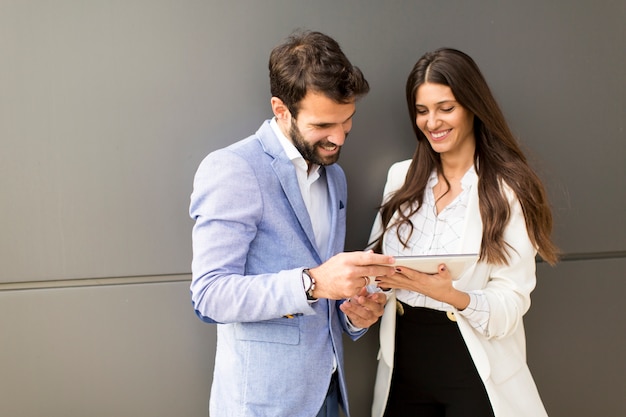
x: 351, y: 327
x: 478, y: 311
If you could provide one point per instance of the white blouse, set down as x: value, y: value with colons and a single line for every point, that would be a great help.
x: 438, y: 234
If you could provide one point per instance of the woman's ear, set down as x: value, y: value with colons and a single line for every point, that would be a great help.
x: 280, y: 110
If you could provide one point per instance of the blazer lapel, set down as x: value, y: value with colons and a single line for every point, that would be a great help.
x: 286, y: 174
x: 336, y: 205
x: 473, y: 231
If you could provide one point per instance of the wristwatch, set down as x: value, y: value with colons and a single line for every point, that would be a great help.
x: 309, y: 284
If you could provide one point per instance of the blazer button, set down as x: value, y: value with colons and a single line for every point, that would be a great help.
x: 451, y: 315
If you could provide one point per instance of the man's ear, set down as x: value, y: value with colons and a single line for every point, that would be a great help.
x: 280, y: 109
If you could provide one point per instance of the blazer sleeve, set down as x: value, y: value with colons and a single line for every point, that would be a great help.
x: 509, y: 286
x: 227, y: 206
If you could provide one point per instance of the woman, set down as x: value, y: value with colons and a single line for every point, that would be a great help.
x: 458, y: 348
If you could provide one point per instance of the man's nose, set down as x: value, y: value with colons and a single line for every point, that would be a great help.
x: 338, y: 135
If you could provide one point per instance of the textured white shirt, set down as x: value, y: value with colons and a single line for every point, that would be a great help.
x: 439, y: 234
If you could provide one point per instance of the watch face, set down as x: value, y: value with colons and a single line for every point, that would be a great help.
x: 309, y: 284
x: 307, y: 281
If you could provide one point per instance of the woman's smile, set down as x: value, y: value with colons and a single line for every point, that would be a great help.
x: 439, y: 135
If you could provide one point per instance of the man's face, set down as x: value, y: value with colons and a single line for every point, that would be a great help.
x: 321, y: 128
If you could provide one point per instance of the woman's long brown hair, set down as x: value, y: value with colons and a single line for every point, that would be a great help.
x: 498, y: 159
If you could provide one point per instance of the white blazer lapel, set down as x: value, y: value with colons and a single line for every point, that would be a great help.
x: 473, y: 231
x: 471, y: 241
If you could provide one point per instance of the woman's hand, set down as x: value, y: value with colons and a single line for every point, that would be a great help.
x: 436, y: 286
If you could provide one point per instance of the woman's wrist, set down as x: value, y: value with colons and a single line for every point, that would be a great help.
x: 459, y: 299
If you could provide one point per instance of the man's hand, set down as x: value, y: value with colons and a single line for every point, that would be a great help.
x: 345, y: 274
x: 364, y: 309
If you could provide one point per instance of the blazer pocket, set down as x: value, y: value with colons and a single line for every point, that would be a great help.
x: 342, y: 213
x: 283, y: 330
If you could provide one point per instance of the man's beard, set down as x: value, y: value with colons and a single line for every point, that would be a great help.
x: 309, y: 151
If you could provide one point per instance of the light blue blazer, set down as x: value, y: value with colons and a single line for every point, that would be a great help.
x: 251, y: 239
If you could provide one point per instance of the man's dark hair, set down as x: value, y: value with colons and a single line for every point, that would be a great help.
x: 310, y: 60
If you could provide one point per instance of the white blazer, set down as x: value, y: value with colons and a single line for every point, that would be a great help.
x: 499, y: 357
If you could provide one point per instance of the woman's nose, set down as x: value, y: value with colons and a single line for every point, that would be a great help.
x: 432, y: 122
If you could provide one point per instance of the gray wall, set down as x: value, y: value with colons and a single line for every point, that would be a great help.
x: 107, y: 107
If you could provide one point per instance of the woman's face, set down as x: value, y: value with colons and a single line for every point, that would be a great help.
x: 448, y: 126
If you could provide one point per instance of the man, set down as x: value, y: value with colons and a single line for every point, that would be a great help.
x: 269, y: 230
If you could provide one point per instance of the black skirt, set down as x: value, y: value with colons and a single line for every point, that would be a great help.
x: 434, y: 374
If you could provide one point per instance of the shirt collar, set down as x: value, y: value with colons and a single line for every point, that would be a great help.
x: 290, y: 150
x: 469, y: 178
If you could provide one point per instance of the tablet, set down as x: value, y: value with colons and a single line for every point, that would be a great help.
x: 456, y: 264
